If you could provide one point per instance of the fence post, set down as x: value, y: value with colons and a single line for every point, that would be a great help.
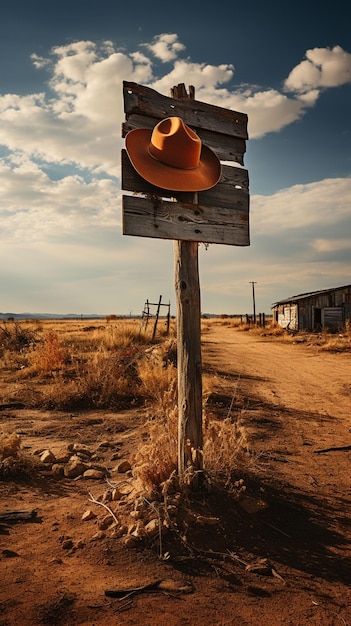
x: 156, y: 317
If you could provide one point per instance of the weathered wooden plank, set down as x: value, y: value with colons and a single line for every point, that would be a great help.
x: 154, y: 217
x: 233, y: 179
x: 226, y: 147
x: 142, y: 100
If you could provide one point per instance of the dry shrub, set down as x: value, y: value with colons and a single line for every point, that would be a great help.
x: 10, y: 444
x: 225, y: 451
x: 158, y: 384
x: 339, y: 343
x: 225, y: 448
x: 50, y: 356
x: 123, y: 335
x: 157, y: 454
x: 13, y: 461
x: 72, y: 369
x: 156, y: 457
x: 273, y: 330
x: 104, y: 380
x: 15, y: 338
x: 109, y: 379
x: 225, y: 442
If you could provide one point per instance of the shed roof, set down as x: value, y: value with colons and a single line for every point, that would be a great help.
x: 303, y: 296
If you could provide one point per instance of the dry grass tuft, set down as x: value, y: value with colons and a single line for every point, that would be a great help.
x: 15, y: 337
x: 156, y: 457
x: 226, y: 449
x: 49, y: 356
x: 13, y: 461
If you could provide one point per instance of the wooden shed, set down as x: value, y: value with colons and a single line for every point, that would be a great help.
x: 327, y: 308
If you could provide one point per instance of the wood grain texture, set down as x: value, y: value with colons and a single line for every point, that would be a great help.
x: 233, y: 178
x: 153, y: 217
x: 189, y: 359
x: 141, y: 100
x: 222, y: 214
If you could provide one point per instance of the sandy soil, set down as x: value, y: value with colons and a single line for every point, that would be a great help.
x: 293, y: 402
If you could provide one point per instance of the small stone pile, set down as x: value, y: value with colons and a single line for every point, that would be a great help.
x: 77, y: 461
x: 136, y: 518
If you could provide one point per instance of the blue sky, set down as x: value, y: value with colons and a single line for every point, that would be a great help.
x: 62, y: 65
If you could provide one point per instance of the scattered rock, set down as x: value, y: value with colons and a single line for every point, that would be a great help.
x: 93, y: 473
x: 88, y: 515
x: 58, y: 469
x: 139, y: 531
x: 47, y: 457
x: 119, y: 531
x: 75, y: 467
x: 172, y: 510
x: 78, y: 448
x: 98, y: 536
x: 67, y: 544
x: 62, y: 456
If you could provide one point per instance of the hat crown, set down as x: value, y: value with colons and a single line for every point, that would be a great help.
x: 175, y: 144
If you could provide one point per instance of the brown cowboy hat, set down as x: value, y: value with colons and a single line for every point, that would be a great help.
x: 171, y: 156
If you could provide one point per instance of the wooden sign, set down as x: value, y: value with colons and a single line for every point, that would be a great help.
x: 218, y: 215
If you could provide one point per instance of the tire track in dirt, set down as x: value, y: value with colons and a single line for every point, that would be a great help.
x: 291, y: 376
x: 296, y: 400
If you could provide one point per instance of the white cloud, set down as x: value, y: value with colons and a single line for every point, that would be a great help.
x: 205, y: 78
x: 33, y: 207
x: 165, y: 47
x: 323, y: 67
x: 60, y: 197
x: 81, y: 124
x: 39, y: 62
x: 326, y: 201
x: 79, y: 121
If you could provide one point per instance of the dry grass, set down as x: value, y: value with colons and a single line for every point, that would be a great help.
x: 324, y: 341
x: 226, y: 450
x: 69, y: 365
x: 13, y: 460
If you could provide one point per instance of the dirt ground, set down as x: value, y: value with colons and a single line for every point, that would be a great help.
x: 279, y: 556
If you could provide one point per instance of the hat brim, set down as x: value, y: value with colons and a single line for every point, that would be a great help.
x: 203, y: 177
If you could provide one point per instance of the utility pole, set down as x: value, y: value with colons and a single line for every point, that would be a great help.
x: 253, y: 283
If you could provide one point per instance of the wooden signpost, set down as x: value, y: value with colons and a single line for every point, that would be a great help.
x: 217, y: 215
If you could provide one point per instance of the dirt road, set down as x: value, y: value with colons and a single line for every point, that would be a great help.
x: 296, y: 395
x: 292, y: 401
x: 282, y: 374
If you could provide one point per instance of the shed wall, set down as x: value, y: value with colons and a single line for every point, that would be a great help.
x: 329, y: 309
